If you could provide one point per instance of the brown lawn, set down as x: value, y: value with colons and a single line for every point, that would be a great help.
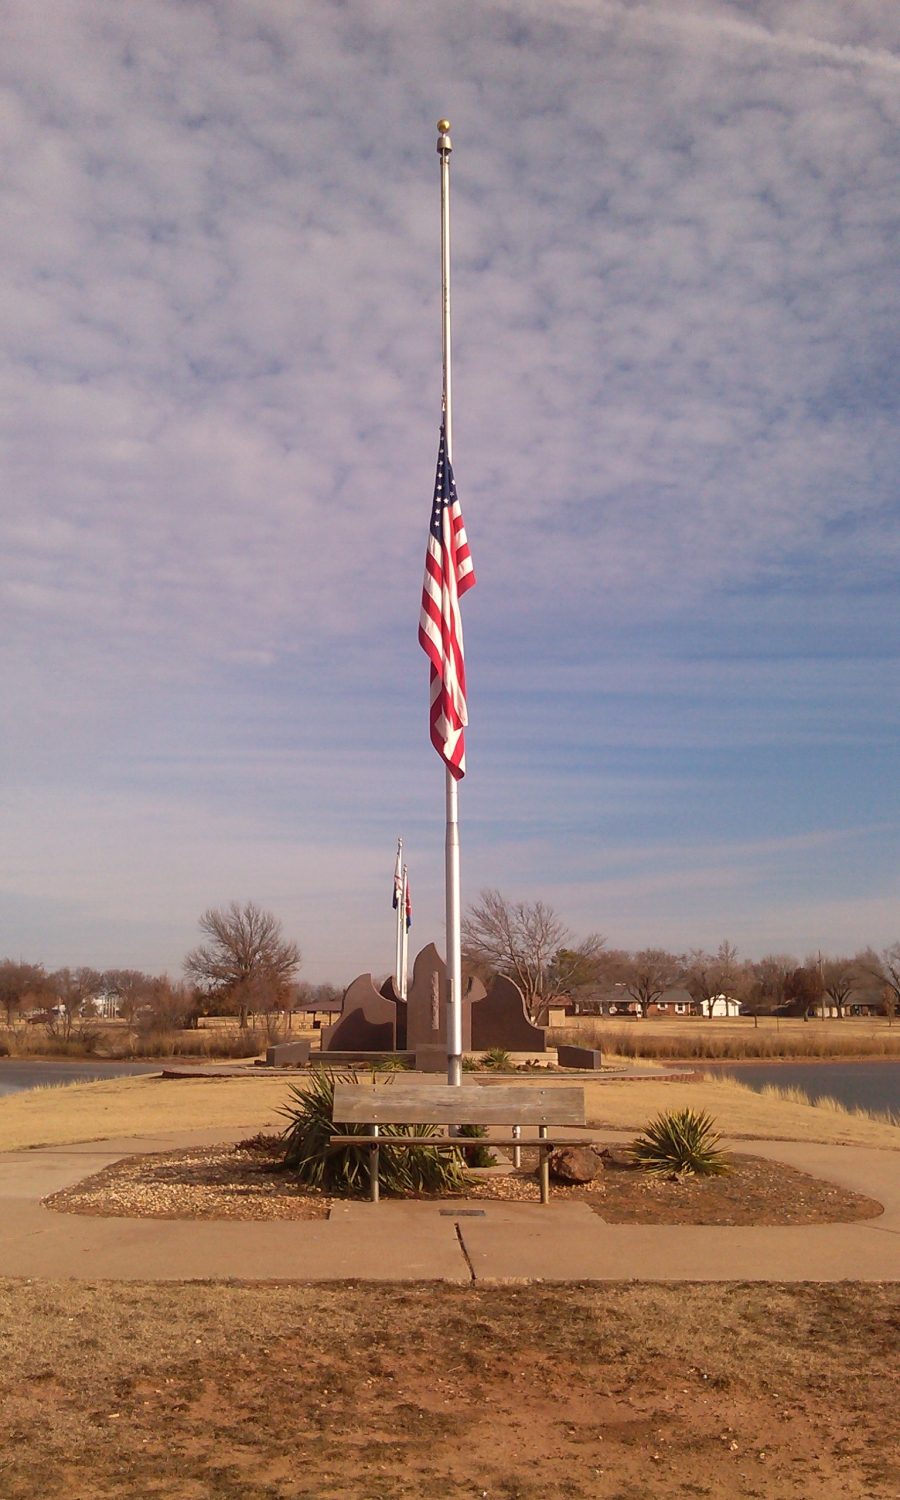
x: 298, y: 1392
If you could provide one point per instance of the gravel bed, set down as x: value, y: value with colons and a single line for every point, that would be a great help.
x: 242, y: 1182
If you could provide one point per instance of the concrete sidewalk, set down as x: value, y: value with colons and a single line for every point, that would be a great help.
x: 452, y: 1241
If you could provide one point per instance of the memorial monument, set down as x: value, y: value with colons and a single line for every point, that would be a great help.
x: 374, y: 1020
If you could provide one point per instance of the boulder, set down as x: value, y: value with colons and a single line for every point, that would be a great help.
x: 617, y: 1156
x: 575, y: 1164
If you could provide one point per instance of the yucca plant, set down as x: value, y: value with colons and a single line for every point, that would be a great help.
x: 682, y: 1143
x: 496, y: 1060
x: 345, y: 1169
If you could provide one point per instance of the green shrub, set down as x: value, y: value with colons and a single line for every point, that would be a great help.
x: 470, y: 1064
x: 683, y: 1142
x: 345, y: 1169
x: 476, y: 1156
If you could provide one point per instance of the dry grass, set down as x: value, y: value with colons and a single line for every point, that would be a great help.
x: 722, y: 1040
x: 148, y: 1106
x: 138, y: 1106
x: 224, y: 1392
x: 740, y: 1112
x: 793, y: 1095
x: 102, y: 1039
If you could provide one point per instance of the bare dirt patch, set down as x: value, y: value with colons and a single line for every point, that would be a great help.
x: 227, y: 1392
x: 238, y: 1182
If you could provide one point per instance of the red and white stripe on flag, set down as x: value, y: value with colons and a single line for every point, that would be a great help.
x: 448, y: 574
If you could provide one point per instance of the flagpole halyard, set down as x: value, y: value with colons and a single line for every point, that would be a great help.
x: 451, y: 842
x: 404, y: 966
x: 398, y: 903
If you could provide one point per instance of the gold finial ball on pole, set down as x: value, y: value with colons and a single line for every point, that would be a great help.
x: 443, y: 127
x: 444, y: 144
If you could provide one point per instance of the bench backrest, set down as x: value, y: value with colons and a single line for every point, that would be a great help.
x: 408, y: 1102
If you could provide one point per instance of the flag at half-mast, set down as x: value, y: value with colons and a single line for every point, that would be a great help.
x: 448, y: 574
x: 398, y: 876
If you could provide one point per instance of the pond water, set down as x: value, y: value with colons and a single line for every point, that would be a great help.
x: 22, y: 1073
x: 867, y: 1085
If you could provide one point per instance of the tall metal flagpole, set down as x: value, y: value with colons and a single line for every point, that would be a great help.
x: 451, y: 845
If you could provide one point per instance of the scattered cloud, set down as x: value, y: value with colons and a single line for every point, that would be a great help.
x: 676, y: 331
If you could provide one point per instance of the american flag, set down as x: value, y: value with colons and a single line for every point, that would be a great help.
x: 398, y: 876
x: 448, y: 574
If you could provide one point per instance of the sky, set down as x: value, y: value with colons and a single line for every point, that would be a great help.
x: 676, y: 318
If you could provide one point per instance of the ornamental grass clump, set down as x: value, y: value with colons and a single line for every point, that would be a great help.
x: 345, y: 1169
x: 682, y: 1143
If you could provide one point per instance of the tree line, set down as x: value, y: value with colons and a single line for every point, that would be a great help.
x: 530, y: 942
x: 246, y: 967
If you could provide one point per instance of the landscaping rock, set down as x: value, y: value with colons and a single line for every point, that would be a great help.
x: 617, y: 1156
x: 575, y: 1164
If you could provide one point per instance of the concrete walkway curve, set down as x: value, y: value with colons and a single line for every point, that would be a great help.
x: 402, y: 1241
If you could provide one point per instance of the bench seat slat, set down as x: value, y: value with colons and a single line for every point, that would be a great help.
x: 457, y: 1143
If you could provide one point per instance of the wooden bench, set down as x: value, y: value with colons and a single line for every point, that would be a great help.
x: 410, y: 1102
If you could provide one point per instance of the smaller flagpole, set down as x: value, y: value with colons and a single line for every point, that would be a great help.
x: 401, y: 917
x: 404, y: 965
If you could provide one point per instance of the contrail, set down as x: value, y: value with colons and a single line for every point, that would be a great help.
x: 707, y: 28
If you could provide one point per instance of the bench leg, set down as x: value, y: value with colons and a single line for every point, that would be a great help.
x: 517, y: 1150
x: 545, y: 1166
x: 373, y: 1169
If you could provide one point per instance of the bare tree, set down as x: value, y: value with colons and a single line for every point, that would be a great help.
x: 648, y: 974
x: 764, y: 983
x: 312, y: 996
x: 129, y: 988
x: 19, y: 984
x: 247, y: 962
x: 164, y: 1007
x: 73, y: 991
x: 890, y: 963
x: 803, y: 989
x: 522, y: 939
x: 709, y: 975
x: 840, y: 977
x: 884, y: 967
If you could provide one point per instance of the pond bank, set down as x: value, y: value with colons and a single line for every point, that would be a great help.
x: 871, y: 1083
x: 18, y: 1074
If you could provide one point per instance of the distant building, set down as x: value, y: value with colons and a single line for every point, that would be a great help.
x: 723, y: 1005
x: 674, y: 1002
